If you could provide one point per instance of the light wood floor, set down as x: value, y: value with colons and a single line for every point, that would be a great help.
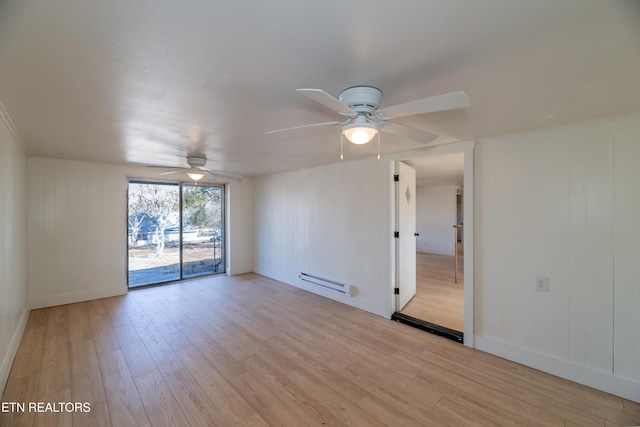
x: 438, y: 298
x: 249, y: 351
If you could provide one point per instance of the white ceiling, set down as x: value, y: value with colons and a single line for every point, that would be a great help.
x: 150, y: 81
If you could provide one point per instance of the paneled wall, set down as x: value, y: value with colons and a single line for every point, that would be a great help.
x: 626, y: 250
x: 13, y: 247
x: 239, y: 229
x: 435, y: 217
x: 77, y: 229
x: 562, y: 204
x: 332, y: 221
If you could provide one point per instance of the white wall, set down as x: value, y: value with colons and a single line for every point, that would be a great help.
x: 239, y: 217
x: 13, y: 246
x: 564, y: 204
x: 332, y: 221
x: 435, y: 216
x: 77, y: 229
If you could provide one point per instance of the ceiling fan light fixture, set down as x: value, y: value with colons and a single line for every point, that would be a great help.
x: 195, y: 174
x: 360, y: 133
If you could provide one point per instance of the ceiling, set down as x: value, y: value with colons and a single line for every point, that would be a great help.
x: 151, y: 81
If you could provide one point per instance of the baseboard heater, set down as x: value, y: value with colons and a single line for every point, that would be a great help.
x: 343, y: 288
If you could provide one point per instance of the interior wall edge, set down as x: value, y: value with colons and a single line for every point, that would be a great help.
x: 10, y: 355
x: 562, y: 368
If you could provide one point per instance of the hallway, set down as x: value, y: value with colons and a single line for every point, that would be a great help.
x: 438, y: 298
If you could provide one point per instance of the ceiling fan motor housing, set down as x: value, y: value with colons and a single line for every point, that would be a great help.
x: 362, y: 99
x: 196, y: 161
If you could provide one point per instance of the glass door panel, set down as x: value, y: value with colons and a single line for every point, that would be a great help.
x: 202, y: 230
x: 153, y: 233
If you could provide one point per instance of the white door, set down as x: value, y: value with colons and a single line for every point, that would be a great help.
x: 406, y: 226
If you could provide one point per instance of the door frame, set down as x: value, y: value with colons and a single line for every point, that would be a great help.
x: 408, y: 238
x: 467, y: 148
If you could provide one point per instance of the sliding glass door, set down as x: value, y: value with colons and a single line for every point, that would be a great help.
x: 201, y: 230
x: 175, y: 231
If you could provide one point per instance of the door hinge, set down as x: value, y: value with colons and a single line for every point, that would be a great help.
x: 396, y: 178
x: 396, y: 234
x: 396, y: 291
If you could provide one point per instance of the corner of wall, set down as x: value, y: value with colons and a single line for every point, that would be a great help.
x: 12, y: 350
x: 240, y: 226
x: 13, y: 243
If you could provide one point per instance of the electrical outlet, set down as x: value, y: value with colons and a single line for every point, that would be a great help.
x: 541, y: 284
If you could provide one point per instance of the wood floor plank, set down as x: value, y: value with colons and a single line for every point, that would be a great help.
x: 101, y: 329
x: 133, y: 349
x: 509, y: 407
x: 160, y: 405
x: 386, y: 413
x: 265, y: 402
x: 86, y: 384
x: 462, y: 415
x: 224, y: 396
x: 217, y: 355
x: 99, y: 416
x: 195, y: 403
x: 79, y: 326
x: 162, y: 354
x: 342, y: 407
x: 558, y: 398
x: 297, y: 399
x: 124, y: 403
x: 58, y: 323
x: 402, y: 395
x: 302, y: 355
x: 24, y: 381
x: 253, y: 420
x: 631, y: 408
x: 47, y: 418
x: 55, y: 371
x: 250, y: 351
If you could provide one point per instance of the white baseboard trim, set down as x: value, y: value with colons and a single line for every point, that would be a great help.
x: 581, y: 374
x: 10, y: 355
x: 79, y: 296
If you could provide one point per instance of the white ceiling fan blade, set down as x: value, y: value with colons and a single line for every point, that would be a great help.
x: 165, y: 167
x: 168, y: 173
x: 409, y: 132
x: 327, y: 100
x: 213, y: 173
x: 446, y: 101
x: 303, y: 126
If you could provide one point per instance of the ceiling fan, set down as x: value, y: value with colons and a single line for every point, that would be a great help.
x: 359, y: 105
x: 196, y: 170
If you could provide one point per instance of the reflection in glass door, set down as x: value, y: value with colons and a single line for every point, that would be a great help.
x: 167, y: 242
x: 202, y: 245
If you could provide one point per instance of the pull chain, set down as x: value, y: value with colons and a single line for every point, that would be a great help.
x: 341, y: 146
x: 378, y: 145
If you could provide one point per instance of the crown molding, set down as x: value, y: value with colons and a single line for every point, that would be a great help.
x: 4, y: 115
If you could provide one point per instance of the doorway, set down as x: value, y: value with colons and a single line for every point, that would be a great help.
x: 442, y: 303
x: 175, y: 232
